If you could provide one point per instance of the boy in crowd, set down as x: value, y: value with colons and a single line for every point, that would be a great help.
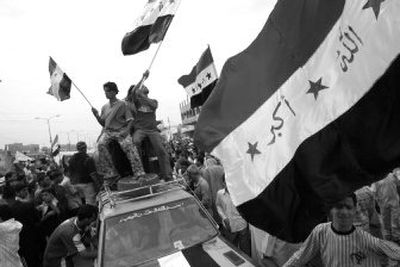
x: 339, y: 243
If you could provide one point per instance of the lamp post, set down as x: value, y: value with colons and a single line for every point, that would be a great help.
x: 48, y: 124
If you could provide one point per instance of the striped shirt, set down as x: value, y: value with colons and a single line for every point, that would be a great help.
x: 357, y: 248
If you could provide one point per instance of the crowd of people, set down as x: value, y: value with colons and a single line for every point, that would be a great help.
x: 45, y: 207
x: 48, y: 211
x: 39, y: 196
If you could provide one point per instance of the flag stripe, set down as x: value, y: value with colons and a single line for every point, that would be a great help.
x: 140, y: 38
x: 292, y: 42
x: 333, y: 162
x: 203, y: 79
x: 52, y: 65
x: 60, y: 82
x: 197, y: 257
x: 155, y: 10
x: 172, y: 260
x: 200, y: 99
x: 65, y: 87
x: 206, y: 62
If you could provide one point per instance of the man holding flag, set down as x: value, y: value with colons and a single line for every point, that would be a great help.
x: 145, y: 124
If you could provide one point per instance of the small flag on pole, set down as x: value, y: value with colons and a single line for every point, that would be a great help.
x: 200, y: 82
x: 55, y: 147
x: 151, y: 27
x: 308, y: 113
x: 60, y: 83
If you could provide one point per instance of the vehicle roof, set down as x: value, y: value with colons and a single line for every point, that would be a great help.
x: 123, y: 206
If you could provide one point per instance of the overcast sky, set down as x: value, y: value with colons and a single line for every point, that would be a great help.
x: 84, y: 38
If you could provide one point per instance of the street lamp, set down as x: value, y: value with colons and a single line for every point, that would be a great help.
x: 48, y: 124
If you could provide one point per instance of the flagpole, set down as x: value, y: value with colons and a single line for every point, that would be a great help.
x: 159, y: 46
x: 155, y: 55
x: 82, y: 94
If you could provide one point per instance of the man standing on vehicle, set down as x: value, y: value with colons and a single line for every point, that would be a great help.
x: 118, y: 155
x: 66, y: 241
x: 83, y: 175
x: 145, y: 124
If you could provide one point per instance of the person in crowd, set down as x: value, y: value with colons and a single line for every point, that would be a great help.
x: 396, y: 173
x: 214, y: 175
x: 235, y: 227
x: 201, y: 188
x: 50, y: 212
x: 22, y: 192
x: 9, y: 238
x: 10, y: 177
x: 66, y: 241
x: 145, y: 125
x: 199, y: 162
x: 43, y: 182
x: 117, y: 120
x: 83, y: 174
x: 389, y: 205
x: 30, y: 241
x: 339, y: 243
x: 367, y: 217
x: 73, y: 196
x: 182, y: 162
x: 59, y: 191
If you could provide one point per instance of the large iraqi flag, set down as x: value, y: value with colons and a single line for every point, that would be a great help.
x: 150, y: 27
x: 308, y: 112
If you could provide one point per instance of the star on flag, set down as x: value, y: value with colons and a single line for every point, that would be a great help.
x: 316, y: 87
x: 375, y: 5
x: 253, y: 150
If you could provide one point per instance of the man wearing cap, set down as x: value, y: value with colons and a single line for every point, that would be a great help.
x: 116, y: 119
x: 83, y: 175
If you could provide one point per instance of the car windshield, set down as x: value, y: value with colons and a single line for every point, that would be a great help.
x: 148, y: 234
